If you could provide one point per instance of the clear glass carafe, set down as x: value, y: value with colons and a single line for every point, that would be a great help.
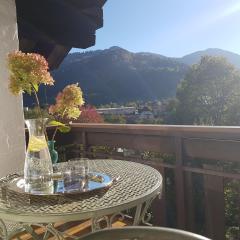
x: 38, y: 167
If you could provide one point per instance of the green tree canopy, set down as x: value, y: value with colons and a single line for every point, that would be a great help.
x: 210, y: 94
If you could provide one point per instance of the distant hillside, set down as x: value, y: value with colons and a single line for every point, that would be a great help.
x: 196, y: 56
x: 117, y: 75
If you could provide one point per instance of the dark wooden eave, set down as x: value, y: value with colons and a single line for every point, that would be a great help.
x: 53, y: 27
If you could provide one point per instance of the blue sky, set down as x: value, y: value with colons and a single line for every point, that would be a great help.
x: 170, y: 27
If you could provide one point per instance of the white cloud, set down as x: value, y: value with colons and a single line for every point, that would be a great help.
x: 231, y: 10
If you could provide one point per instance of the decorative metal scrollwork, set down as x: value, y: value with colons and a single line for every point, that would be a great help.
x: 121, y: 215
x: 96, y: 223
x: 145, y: 215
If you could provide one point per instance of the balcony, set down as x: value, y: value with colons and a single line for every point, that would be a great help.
x: 200, y: 166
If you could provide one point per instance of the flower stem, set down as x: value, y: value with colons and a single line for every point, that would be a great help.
x: 55, y: 131
x: 40, y: 111
x: 54, y: 134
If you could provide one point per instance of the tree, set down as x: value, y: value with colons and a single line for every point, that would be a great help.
x: 120, y: 119
x: 169, y: 113
x: 210, y: 94
x: 89, y: 114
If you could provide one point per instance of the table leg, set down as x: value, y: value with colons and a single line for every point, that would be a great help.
x: 3, y: 229
x: 46, y: 235
x: 30, y: 230
x: 145, y: 215
x: 8, y: 230
x: 137, y: 215
x: 141, y: 214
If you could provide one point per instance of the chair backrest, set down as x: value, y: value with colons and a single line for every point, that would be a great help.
x: 142, y: 233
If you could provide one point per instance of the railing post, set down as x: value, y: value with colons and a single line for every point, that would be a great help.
x: 190, y: 208
x: 85, y: 144
x: 214, y: 209
x: 179, y: 184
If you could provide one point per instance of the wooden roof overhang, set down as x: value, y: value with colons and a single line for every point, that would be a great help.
x: 53, y: 27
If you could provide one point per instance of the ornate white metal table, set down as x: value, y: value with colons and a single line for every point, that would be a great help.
x: 137, y: 186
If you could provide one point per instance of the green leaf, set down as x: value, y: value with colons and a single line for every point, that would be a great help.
x: 64, y: 129
x: 61, y: 126
x: 55, y: 123
x: 35, y: 86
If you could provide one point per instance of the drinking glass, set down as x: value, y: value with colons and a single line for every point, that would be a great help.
x: 80, y: 162
x: 74, y: 176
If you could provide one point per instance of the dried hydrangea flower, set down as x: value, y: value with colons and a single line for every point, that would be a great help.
x: 27, y: 72
x: 68, y: 103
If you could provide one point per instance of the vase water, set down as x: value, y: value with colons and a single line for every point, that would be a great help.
x: 38, y: 167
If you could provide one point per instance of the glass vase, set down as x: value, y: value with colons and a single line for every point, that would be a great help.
x: 38, y: 167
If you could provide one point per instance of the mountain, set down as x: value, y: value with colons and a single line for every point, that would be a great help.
x: 117, y: 75
x: 196, y: 56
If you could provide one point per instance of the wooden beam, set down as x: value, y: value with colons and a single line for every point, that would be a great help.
x: 57, y: 55
x: 26, y: 45
x: 151, y: 143
x: 190, y: 209
x: 212, y: 149
x: 206, y: 132
x: 179, y: 182
x: 214, y: 210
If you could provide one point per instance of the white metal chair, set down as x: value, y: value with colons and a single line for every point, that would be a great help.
x: 142, y: 233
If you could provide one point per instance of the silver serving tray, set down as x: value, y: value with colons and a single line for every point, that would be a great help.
x: 91, y: 183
